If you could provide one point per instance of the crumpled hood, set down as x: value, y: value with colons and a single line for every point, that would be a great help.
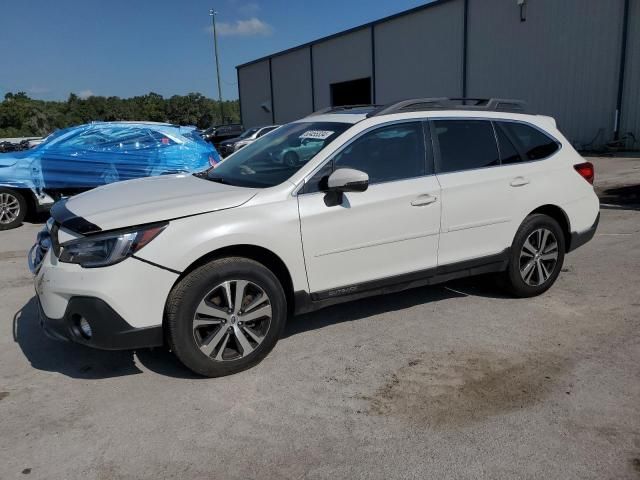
x: 153, y: 199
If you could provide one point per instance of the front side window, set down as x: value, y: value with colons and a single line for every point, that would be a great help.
x: 386, y: 154
x: 465, y: 145
x: 272, y: 159
x: 391, y: 153
x: 248, y: 133
x: 534, y: 144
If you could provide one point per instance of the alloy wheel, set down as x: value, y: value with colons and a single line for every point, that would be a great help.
x: 232, y: 320
x: 9, y: 208
x: 538, y: 257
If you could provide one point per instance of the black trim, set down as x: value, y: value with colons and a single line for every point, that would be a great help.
x: 465, y: 44
x: 69, y: 220
x: 313, y: 84
x: 305, y: 302
x: 239, y: 95
x: 499, y: 125
x: 273, y: 103
x: 430, y: 164
x: 623, y: 63
x: 109, y: 330
x: 345, y: 32
x: 157, y: 265
x: 579, y: 239
x: 373, y: 65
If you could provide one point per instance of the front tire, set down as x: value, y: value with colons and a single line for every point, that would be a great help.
x: 13, y: 208
x: 537, y: 255
x: 225, y: 316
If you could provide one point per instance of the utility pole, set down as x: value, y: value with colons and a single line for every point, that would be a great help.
x: 212, y: 14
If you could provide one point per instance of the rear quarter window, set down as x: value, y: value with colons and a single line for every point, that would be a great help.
x: 534, y: 144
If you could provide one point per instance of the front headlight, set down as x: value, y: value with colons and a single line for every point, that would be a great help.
x: 108, y: 248
x: 239, y: 145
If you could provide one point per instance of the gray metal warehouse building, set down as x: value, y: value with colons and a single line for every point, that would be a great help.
x: 577, y: 60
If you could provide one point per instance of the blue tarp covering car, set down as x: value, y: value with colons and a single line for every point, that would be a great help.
x: 83, y: 157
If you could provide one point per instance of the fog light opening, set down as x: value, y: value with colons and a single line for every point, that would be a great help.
x: 85, y: 328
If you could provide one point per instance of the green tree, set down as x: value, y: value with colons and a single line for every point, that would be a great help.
x: 24, y: 116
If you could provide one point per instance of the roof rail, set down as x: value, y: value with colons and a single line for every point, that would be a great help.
x: 342, y: 108
x: 446, y: 103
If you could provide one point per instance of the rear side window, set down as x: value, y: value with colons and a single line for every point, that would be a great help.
x: 264, y: 131
x: 465, y: 145
x: 534, y: 144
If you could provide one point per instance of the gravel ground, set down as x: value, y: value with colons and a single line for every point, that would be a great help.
x: 455, y: 381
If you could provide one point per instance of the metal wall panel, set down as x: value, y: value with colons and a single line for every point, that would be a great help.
x: 630, y: 121
x: 339, y: 59
x: 563, y: 60
x: 291, y: 75
x: 255, y: 91
x: 420, y: 55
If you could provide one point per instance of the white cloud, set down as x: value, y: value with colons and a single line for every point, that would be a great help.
x: 253, y: 26
x: 84, y: 94
x: 38, y: 90
x: 250, y: 8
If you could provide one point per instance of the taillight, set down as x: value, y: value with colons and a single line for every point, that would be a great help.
x: 586, y: 171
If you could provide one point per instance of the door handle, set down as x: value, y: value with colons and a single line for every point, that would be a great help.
x: 519, y: 182
x: 422, y: 200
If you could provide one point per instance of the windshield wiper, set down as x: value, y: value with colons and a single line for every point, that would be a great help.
x: 218, y: 180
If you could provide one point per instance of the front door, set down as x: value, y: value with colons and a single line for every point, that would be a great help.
x: 389, y: 230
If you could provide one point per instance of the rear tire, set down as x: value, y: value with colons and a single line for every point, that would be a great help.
x: 225, y: 316
x: 536, y: 257
x: 13, y: 208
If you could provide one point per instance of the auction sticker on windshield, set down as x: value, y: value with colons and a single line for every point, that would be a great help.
x: 317, y: 134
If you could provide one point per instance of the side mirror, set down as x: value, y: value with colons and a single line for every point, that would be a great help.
x: 344, y: 180
x: 348, y: 180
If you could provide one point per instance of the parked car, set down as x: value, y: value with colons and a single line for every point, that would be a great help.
x: 80, y: 158
x: 34, y: 142
x: 220, y: 133
x: 411, y: 194
x: 227, y: 147
x: 6, y: 146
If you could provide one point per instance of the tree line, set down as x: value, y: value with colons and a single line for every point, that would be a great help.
x: 22, y: 116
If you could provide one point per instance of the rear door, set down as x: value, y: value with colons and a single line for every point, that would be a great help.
x: 527, y: 155
x: 477, y: 200
x: 374, y: 236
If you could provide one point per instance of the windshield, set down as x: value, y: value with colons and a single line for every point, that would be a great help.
x: 274, y: 158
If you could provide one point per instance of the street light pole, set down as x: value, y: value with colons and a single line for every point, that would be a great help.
x: 212, y: 14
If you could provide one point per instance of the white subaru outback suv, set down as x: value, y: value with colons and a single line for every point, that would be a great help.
x: 411, y: 194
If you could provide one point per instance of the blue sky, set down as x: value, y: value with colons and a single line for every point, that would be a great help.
x: 126, y: 48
